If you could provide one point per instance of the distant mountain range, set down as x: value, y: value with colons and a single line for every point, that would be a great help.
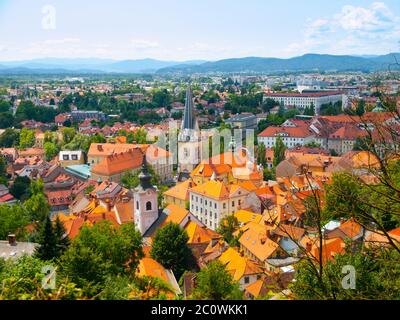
x: 306, y: 63
x: 54, y: 66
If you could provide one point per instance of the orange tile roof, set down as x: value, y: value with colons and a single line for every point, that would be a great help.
x: 181, y: 190
x: 198, y: 234
x: 238, y: 265
x: 290, y: 231
x: 245, y: 216
x: 118, y: 163
x: 218, y: 190
x: 350, y: 228
x: 330, y: 247
x: 248, y: 185
x: 298, y: 132
x: 125, y: 211
x: 153, y: 152
x: 255, y: 288
x: 256, y: 241
x: 151, y: 268
x: 175, y: 214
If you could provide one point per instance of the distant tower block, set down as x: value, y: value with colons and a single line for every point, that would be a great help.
x: 146, y: 201
x: 189, y: 140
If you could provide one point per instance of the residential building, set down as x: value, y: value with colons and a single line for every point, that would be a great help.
x: 160, y: 159
x: 243, y: 121
x: 291, y: 136
x: 70, y: 158
x: 212, y: 201
x: 80, y: 115
x: 179, y: 194
x: 114, y: 167
x: 304, y: 100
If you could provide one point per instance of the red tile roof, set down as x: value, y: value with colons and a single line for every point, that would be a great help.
x: 297, y: 132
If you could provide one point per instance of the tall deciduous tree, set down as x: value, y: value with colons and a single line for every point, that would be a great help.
x: 37, y: 205
x: 26, y: 138
x: 227, y: 227
x: 279, y: 151
x: 215, y: 283
x: 170, y: 248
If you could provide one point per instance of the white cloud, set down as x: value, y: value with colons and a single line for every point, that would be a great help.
x: 353, y: 30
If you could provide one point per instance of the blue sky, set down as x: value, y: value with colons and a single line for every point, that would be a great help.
x: 196, y: 29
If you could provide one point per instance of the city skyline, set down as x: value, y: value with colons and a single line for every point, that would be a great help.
x: 180, y: 31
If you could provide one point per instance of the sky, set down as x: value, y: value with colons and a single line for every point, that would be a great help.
x: 196, y: 29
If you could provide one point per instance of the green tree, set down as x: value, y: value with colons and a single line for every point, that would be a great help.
x: 279, y: 151
x: 3, y: 171
x: 360, y: 109
x: 62, y: 238
x: 4, y: 106
x: 377, y: 276
x: 37, y: 205
x: 47, y: 241
x: 26, y: 138
x: 261, y: 155
x: 9, y: 138
x: 6, y: 120
x: 215, y: 283
x: 20, y: 188
x: 25, y: 111
x: 102, y: 251
x: 12, y: 220
x: 227, y: 227
x: 50, y: 150
x: 170, y: 248
x: 68, y: 134
x: 309, y: 111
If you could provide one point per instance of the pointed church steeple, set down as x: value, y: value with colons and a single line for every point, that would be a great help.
x: 145, y: 176
x: 189, y: 119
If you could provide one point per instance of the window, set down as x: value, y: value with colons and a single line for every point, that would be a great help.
x: 224, y: 205
x: 148, y: 206
x: 233, y: 203
x: 65, y: 157
x: 74, y: 157
x: 246, y: 280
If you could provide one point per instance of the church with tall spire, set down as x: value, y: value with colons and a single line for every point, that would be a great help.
x: 189, y: 138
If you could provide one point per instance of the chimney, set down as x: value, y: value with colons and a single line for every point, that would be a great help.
x: 12, y: 241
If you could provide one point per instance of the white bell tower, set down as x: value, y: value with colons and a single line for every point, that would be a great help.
x: 145, y: 197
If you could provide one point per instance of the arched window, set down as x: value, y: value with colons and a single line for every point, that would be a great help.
x: 148, y: 206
